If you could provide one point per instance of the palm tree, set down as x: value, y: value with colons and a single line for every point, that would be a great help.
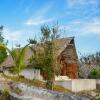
x: 18, y: 58
x: 32, y: 41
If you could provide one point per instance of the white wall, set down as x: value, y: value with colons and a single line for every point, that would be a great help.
x: 97, y: 81
x: 77, y: 85
x: 28, y: 73
x: 66, y: 84
x: 31, y: 74
x: 83, y: 84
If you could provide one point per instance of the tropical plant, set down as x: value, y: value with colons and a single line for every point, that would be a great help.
x: 3, y: 53
x: 18, y: 56
x: 45, y: 59
x: 32, y: 41
x: 95, y: 73
x: 5, y: 95
x: 50, y: 65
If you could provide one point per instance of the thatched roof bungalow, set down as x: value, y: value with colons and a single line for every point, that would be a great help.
x: 66, y: 55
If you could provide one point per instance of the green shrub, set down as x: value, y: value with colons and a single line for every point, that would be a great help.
x: 95, y: 73
x: 5, y: 95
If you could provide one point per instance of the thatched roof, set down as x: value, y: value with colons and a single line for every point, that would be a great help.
x: 69, y: 54
x: 62, y: 45
x: 8, y: 62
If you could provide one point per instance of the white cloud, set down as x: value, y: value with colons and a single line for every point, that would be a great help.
x: 12, y: 35
x: 40, y: 17
x: 92, y: 27
x: 37, y: 21
x: 88, y: 27
x: 83, y: 9
x: 78, y: 3
x: 16, y: 36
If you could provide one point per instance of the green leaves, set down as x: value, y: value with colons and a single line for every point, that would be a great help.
x: 32, y: 41
x: 3, y: 53
x: 49, y: 63
x: 49, y: 33
x: 95, y: 73
x: 18, y: 56
x: 45, y: 30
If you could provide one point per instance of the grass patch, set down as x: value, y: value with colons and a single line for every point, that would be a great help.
x: 37, y: 83
x: 4, y: 95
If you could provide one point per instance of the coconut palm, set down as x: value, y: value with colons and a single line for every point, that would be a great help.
x: 18, y: 56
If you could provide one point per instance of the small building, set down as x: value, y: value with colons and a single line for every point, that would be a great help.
x: 69, y: 59
x: 66, y: 56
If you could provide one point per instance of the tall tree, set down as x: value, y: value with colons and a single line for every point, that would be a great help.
x: 3, y: 53
x: 45, y: 58
x: 49, y: 35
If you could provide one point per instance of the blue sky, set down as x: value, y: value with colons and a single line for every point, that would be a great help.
x: 22, y: 19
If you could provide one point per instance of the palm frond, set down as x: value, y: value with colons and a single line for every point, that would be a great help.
x: 22, y: 54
